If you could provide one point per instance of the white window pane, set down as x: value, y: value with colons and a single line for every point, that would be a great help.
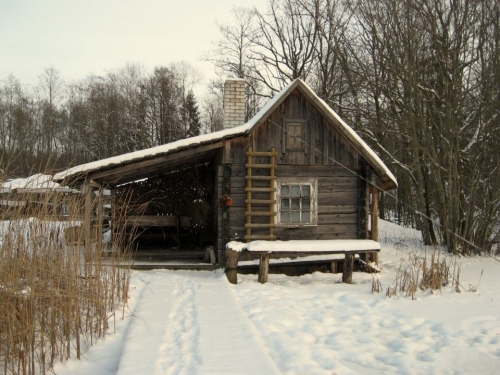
x: 295, y: 216
x: 306, y: 216
x: 306, y: 204
x: 285, y: 217
x: 285, y: 203
x: 285, y: 191
x: 306, y: 191
x: 295, y: 190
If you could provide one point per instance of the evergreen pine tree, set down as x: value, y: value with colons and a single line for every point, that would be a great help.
x: 191, y: 116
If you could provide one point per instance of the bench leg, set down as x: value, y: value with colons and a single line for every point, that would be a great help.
x: 263, y: 268
x: 232, y: 258
x: 334, y: 266
x: 348, y: 268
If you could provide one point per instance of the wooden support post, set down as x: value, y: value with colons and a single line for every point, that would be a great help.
x: 248, y: 231
x: 374, y: 214
x: 374, y: 220
x: 87, y: 190
x: 112, y: 224
x: 263, y: 268
x: 272, y: 185
x: 348, y: 268
x: 100, y: 218
x: 334, y: 266
x: 232, y: 258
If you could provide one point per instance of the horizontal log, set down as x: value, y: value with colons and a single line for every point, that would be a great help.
x: 260, y: 166
x: 261, y: 153
x: 298, y: 170
x: 266, y: 178
x: 351, y: 218
x: 337, y: 209
x: 260, y: 201
x: 260, y: 190
x: 312, y: 231
x: 154, y: 221
x: 259, y: 213
x: 260, y: 225
x: 260, y: 237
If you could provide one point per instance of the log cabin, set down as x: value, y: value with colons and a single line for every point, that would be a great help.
x: 295, y: 171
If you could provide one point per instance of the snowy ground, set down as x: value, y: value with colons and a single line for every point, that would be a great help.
x: 197, y: 323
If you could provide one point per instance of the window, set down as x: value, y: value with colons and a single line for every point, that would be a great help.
x: 297, y: 202
x: 295, y: 135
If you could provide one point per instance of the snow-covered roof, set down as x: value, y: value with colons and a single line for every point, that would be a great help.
x: 305, y: 246
x: 244, y: 129
x: 39, y: 183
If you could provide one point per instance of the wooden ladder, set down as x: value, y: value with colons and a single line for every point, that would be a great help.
x: 268, y: 204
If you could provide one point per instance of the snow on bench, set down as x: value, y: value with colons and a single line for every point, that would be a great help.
x: 296, y: 248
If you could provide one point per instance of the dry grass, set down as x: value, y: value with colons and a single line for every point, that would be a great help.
x: 54, y: 302
x: 419, y: 271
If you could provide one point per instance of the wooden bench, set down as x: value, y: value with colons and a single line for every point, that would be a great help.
x: 297, y: 248
x: 174, y: 222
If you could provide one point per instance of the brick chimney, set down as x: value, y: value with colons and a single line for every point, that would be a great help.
x: 234, y: 102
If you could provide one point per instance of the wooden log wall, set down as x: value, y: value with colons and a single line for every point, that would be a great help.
x: 343, y: 197
x: 323, y: 144
x: 337, y: 204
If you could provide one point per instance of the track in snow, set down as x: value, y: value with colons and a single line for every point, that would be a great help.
x: 190, y: 323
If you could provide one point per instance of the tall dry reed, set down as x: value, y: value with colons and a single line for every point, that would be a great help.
x: 55, y: 301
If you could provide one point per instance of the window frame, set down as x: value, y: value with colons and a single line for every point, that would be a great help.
x: 313, y: 185
x: 287, y: 133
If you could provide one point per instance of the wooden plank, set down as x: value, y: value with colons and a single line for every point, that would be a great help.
x: 285, y: 170
x: 288, y: 254
x: 311, y: 232
x: 156, y: 221
x: 351, y: 218
x: 253, y: 225
x: 260, y: 166
x: 260, y: 189
x: 260, y: 237
x: 265, y: 178
x: 260, y: 213
x: 261, y: 153
x: 337, y: 209
x: 260, y: 201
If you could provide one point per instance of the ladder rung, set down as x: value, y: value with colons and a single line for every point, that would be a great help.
x: 268, y: 166
x: 260, y: 177
x: 260, y: 213
x: 260, y: 190
x: 261, y: 153
x: 260, y: 225
x: 260, y: 237
x: 260, y: 201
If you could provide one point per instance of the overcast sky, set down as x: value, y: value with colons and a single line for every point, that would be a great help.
x: 95, y: 36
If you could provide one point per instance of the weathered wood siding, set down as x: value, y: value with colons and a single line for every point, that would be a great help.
x: 338, y: 213
x: 323, y: 143
x: 342, y: 196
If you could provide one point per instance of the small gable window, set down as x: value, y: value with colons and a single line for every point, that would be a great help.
x: 297, y: 201
x: 295, y: 136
